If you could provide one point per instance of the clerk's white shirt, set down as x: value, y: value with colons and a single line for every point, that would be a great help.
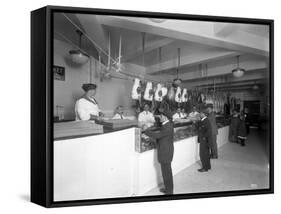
x: 146, y: 118
x: 84, y: 109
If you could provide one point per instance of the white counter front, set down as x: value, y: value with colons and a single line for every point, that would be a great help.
x: 107, y: 165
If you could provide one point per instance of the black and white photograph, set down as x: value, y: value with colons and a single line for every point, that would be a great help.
x: 158, y: 106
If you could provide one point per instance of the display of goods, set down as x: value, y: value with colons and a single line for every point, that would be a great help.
x: 182, y: 120
x: 171, y: 94
x: 147, y: 93
x: 76, y: 128
x: 164, y: 91
x: 178, y: 95
x: 158, y: 96
x: 136, y: 91
x: 118, y: 123
x: 184, y: 97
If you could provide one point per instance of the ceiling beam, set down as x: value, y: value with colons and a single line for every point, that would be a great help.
x: 228, y: 77
x: 194, y: 59
x: 94, y: 30
x: 149, y: 46
x: 224, y: 29
x: 194, y: 31
x: 235, y: 83
x: 215, y: 71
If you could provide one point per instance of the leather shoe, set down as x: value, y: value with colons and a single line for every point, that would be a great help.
x: 202, y: 170
x: 165, y: 191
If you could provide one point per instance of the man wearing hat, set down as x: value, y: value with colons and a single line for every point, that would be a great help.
x: 204, y: 138
x: 165, y: 149
x: 86, y: 108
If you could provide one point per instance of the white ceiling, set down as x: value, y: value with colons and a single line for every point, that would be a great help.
x: 212, y: 43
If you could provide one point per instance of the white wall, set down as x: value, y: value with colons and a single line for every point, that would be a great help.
x: 110, y: 93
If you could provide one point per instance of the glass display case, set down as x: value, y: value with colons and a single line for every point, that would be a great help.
x: 182, y: 130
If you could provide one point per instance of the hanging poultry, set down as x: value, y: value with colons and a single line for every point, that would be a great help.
x: 164, y: 91
x: 158, y: 93
x: 136, y: 91
x: 184, y: 97
x: 171, y: 94
x: 147, y: 93
x: 178, y: 95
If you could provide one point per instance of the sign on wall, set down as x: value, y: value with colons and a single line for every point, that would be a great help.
x: 59, y: 73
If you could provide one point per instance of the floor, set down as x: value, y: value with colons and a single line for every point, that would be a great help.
x: 238, y: 168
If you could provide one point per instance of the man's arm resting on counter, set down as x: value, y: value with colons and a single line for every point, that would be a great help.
x: 156, y: 135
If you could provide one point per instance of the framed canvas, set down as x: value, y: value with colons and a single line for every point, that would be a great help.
x: 155, y: 106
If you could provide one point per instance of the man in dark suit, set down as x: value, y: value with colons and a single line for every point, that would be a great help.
x: 165, y: 149
x: 214, y: 131
x: 204, y: 135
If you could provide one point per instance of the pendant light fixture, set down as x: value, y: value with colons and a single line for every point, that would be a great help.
x: 177, y: 81
x: 77, y: 56
x: 238, y: 72
x: 256, y: 87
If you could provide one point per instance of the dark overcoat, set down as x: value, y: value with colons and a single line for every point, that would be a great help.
x: 204, y: 130
x: 164, y: 143
x: 212, y: 118
x: 242, y: 131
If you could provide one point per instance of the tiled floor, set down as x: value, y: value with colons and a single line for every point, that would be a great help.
x: 238, y: 168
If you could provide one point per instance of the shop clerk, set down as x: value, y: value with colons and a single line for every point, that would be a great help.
x: 119, y: 113
x: 146, y: 118
x: 86, y: 108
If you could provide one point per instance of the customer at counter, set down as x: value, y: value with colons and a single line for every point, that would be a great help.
x: 214, y: 131
x: 86, y: 108
x: 165, y: 149
x: 146, y: 118
x: 204, y: 136
x: 119, y: 113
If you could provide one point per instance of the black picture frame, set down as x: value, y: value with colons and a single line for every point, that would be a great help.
x: 42, y: 105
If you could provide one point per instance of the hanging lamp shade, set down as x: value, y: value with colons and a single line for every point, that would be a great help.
x: 77, y: 56
x: 256, y: 87
x: 238, y: 72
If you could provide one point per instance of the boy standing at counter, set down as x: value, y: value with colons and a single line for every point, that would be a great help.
x: 165, y: 149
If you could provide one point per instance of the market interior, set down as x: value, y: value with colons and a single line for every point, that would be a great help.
x: 130, y: 60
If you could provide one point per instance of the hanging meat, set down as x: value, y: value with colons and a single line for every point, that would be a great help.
x: 147, y: 93
x: 184, y: 97
x: 178, y: 95
x: 164, y: 91
x: 158, y: 93
x: 136, y: 91
x: 171, y: 94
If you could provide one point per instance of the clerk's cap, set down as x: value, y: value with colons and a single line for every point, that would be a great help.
x: 89, y: 86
